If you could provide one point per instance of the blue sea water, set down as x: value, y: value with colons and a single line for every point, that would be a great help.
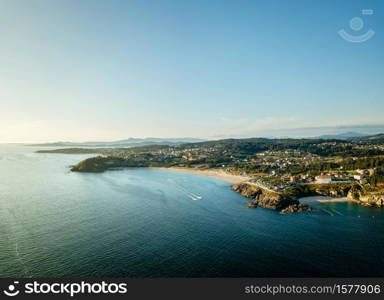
x: 153, y: 223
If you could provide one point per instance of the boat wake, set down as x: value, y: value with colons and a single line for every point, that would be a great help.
x: 189, y: 194
x: 337, y: 212
x: 332, y: 212
x: 327, y: 211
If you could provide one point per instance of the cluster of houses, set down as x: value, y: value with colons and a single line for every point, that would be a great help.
x: 358, y: 175
x: 286, y: 182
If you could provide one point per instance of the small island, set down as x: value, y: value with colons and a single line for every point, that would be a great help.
x: 275, y: 172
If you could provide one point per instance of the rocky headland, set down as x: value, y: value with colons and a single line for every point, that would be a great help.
x: 287, y: 202
x: 268, y: 199
x: 359, y: 194
x: 102, y: 163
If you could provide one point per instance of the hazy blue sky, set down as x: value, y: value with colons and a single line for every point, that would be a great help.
x: 104, y: 70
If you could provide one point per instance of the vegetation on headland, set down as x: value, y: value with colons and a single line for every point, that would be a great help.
x: 289, y: 168
x: 75, y: 151
x: 101, y: 164
x: 284, y: 203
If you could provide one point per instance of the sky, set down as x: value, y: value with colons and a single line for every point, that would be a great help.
x: 91, y: 70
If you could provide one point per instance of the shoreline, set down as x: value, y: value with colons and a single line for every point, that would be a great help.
x: 208, y: 172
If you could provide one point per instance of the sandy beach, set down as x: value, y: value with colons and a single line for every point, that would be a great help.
x: 334, y: 200
x: 210, y: 172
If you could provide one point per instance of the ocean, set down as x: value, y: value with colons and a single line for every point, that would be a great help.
x: 155, y: 223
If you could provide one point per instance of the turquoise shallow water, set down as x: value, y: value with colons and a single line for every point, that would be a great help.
x: 152, y: 223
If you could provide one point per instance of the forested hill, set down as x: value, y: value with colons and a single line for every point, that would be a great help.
x: 320, y: 147
x: 356, y: 147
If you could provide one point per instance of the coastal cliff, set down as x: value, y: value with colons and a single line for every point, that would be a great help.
x: 268, y: 199
x: 367, y: 198
x: 287, y: 202
x: 335, y: 190
x: 361, y: 194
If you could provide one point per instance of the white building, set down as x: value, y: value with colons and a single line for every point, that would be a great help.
x: 323, y: 179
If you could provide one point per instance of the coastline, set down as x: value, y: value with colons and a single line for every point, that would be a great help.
x: 209, y: 172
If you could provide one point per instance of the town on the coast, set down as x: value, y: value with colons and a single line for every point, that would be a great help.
x: 278, y: 171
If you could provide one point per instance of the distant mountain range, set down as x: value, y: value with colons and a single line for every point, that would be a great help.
x: 137, y: 142
x: 130, y: 142
x: 341, y: 136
